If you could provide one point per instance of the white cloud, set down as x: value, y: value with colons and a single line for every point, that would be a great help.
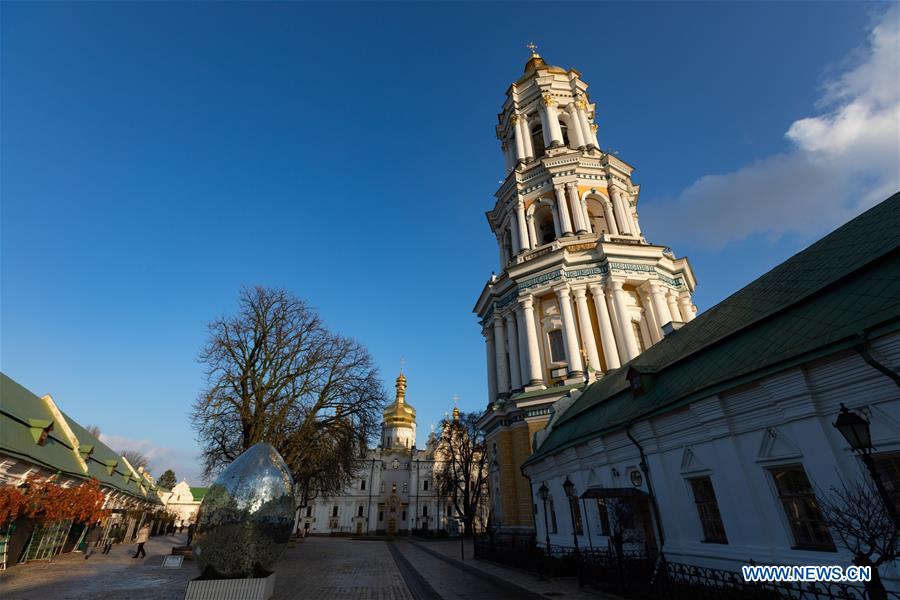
x: 185, y: 464
x: 842, y: 162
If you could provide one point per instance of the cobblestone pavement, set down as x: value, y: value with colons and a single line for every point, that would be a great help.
x: 313, y: 569
x: 323, y: 567
x: 114, y: 575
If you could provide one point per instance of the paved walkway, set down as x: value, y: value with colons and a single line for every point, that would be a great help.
x: 315, y: 568
x: 114, y: 575
x: 529, y: 583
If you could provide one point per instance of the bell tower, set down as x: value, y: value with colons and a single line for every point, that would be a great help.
x: 581, y: 291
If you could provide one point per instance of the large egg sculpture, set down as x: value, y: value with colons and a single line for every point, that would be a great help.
x: 246, y: 517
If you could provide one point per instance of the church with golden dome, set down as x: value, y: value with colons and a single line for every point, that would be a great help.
x: 393, y: 493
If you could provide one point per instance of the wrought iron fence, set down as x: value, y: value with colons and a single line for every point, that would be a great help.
x: 645, y: 575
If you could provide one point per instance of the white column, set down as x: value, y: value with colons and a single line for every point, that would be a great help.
x: 686, y: 307
x: 557, y: 228
x: 532, y: 234
x: 577, y: 211
x: 610, y: 217
x: 621, y: 218
x: 626, y: 338
x: 491, y: 366
x: 607, y: 337
x: 516, y: 121
x: 563, y: 210
x: 634, y: 220
x: 514, y: 237
x: 589, y: 138
x: 502, y: 252
x: 525, y: 319
x: 512, y: 343
x: 584, y: 326
x: 500, y: 356
x: 523, y: 228
x: 660, y: 308
x: 526, y: 134
x: 570, y: 336
x: 551, y: 122
x: 576, y: 136
x: 672, y: 301
x: 650, y: 314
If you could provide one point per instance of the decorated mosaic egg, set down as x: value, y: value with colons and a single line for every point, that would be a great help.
x: 246, y: 516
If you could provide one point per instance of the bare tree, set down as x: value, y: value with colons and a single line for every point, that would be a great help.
x: 135, y: 458
x: 855, y: 512
x: 463, y: 475
x: 276, y: 374
x: 93, y: 430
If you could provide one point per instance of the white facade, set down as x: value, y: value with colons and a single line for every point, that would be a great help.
x: 182, y: 502
x: 738, y: 439
x: 394, y: 490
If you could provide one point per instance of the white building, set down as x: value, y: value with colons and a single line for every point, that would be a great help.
x: 183, y: 501
x: 580, y: 290
x: 720, y: 436
x: 394, y: 491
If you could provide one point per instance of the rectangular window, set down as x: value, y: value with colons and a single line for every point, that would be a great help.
x: 637, y: 336
x: 362, y: 484
x: 557, y: 350
x: 309, y: 511
x: 802, y: 509
x: 334, y: 511
x: 425, y: 511
x: 425, y: 485
x: 359, y: 511
x: 888, y: 466
x: 708, y: 510
x: 403, y: 516
x: 604, y: 516
x: 576, y: 513
x: 381, y: 515
x: 553, y: 528
x: 449, y: 510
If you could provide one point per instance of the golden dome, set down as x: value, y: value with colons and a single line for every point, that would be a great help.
x: 399, y: 413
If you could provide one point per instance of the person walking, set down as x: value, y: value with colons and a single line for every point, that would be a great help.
x: 143, y: 535
x: 190, y: 537
x: 92, y: 537
x: 111, y: 537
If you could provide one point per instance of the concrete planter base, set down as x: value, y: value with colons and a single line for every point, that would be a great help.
x: 231, y: 589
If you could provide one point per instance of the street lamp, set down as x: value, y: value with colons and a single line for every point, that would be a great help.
x: 544, y: 493
x: 855, y: 430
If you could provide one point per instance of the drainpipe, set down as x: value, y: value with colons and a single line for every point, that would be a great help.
x: 864, y: 349
x: 369, y: 507
x: 646, y: 470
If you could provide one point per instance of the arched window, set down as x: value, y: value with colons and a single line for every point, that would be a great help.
x: 597, y: 216
x: 425, y: 510
x: 565, y: 134
x: 544, y: 228
x: 359, y: 511
x: 537, y: 140
x: 334, y: 511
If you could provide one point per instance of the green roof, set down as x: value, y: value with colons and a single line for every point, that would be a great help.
x: 199, y: 492
x: 19, y: 407
x: 818, y: 302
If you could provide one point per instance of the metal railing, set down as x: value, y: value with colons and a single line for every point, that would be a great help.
x: 646, y: 575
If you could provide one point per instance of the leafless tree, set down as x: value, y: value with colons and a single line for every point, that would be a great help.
x: 135, y: 458
x: 622, y: 527
x: 93, y: 430
x: 855, y: 512
x: 276, y: 374
x: 463, y: 476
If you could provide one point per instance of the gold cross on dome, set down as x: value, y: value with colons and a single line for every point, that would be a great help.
x: 533, y: 47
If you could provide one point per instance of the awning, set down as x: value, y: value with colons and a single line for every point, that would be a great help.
x: 608, y: 492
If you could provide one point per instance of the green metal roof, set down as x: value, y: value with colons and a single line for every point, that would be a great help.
x: 817, y: 302
x: 199, y: 492
x: 19, y: 407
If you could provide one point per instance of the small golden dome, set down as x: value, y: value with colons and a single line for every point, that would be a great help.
x: 399, y: 412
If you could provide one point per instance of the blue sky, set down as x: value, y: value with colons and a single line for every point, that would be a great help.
x: 157, y: 156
